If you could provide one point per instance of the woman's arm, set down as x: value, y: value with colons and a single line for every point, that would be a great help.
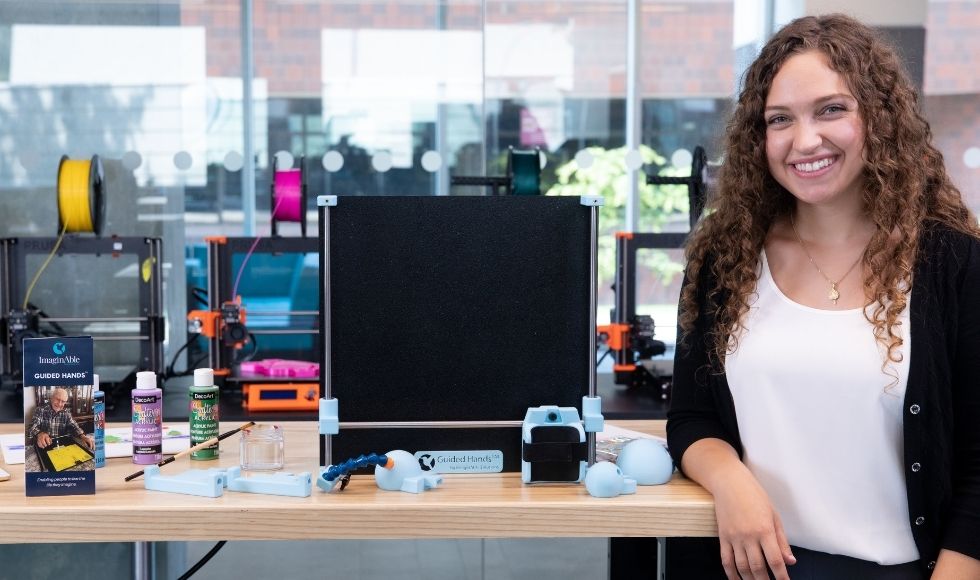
x: 749, y: 530
x: 955, y: 566
x: 961, y: 537
x: 694, y: 413
x: 750, y: 533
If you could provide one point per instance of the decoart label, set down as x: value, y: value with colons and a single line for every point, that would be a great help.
x: 479, y: 461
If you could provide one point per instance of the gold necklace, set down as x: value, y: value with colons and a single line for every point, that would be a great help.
x: 834, y: 294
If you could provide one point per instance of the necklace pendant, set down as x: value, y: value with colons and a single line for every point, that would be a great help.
x: 834, y: 295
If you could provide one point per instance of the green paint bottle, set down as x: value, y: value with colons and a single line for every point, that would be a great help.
x: 204, y: 414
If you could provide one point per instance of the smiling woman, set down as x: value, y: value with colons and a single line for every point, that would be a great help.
x: 814, y: 133
x: 815, y: 149
x: 800, y: 400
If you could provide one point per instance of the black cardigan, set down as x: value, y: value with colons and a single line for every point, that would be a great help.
x: 941, y: 421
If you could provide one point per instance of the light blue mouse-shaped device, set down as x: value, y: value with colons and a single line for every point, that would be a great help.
x: 404, y: 475
x: 605, y: 479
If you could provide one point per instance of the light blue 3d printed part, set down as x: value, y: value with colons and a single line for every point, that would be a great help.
x: 592, y: 418
x: 605, y: 479
x: 325, y: 485
x: 329, y: 421
x: 201, y: 482
x: 647, y: 461
x: 552, y: 416
x: 405, y: 475
x: 298, y: 485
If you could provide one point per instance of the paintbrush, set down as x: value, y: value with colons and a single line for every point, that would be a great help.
x: 201, y: 445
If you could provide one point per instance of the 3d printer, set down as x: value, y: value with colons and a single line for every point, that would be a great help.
x: 629, y: 336
x: 261, y: 291
x: 109, y: 288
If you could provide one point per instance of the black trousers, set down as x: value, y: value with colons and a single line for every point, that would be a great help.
x: 700, y: 559
x: 812, y: 565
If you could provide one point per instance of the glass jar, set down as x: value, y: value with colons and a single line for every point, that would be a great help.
x: 262, y: 447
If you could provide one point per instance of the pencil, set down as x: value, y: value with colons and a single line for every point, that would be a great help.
x: 201, y: 445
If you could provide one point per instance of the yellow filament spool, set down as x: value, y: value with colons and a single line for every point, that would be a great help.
x: 81, y: 205
x: 80, y: 195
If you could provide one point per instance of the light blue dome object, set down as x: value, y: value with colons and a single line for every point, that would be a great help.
x: 604, y: 479
x: 647, y: 461
x: 405, y: 467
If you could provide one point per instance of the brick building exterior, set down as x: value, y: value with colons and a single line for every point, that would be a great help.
x: 952, y: 87
x: 687, y: 46
x: 686, y: 50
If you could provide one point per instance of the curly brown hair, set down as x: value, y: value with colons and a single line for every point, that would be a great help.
x: 906, y: 185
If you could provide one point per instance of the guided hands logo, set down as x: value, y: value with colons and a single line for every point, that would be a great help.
x: 59, y: 348
x: 427, y: 462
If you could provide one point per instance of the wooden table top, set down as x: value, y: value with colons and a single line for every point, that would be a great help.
x: 464, y: 506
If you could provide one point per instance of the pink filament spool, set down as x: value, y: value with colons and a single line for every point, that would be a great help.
x: 287, y: 196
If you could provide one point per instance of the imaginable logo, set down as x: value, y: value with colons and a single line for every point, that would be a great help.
x: 427, y: 462
x: 61, y: 357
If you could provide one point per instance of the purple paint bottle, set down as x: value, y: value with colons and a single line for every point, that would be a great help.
x: 147, y: 419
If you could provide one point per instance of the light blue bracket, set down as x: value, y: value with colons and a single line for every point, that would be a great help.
x: 592, y: 418
x: 325, y: 485
x: 329, y: 421
x: 299, y: 485
x: 201, y: 482
x: 420, y: 483
x: 326, y: 200
x: 592, y: 200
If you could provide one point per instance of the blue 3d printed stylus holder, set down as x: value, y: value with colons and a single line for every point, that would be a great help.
x: 394, y: 471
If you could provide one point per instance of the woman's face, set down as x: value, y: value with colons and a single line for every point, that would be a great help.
x: 814, y: 133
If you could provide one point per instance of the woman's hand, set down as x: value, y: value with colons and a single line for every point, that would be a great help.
x: 750, y: 532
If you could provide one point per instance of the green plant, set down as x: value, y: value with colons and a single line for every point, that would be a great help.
x: 608, y: 176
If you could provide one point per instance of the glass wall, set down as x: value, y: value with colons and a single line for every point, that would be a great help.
x: 687, y: 82
x: 385, y: 97
x: 373, y: 98
x: 129, y: 82
x: 392, y: 98
x: 952, y: 90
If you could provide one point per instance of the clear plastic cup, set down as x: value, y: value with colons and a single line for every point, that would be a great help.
x: 262, y: 448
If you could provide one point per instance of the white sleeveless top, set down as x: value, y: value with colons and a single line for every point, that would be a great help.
x: 821, y: 425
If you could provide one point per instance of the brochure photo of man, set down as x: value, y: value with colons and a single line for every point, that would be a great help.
x: 60, y: 429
